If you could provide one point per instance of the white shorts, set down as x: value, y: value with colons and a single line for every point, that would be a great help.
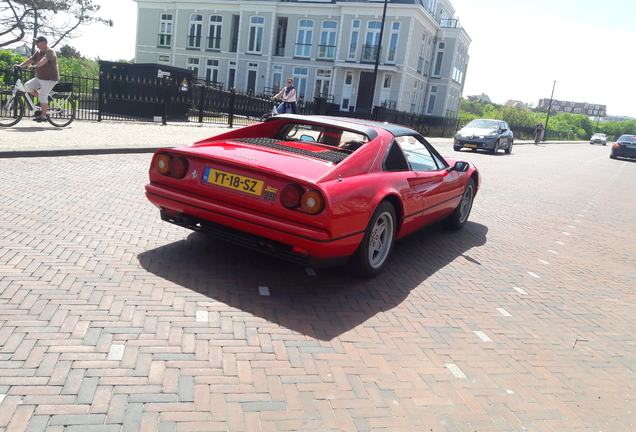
x: 42, y: 86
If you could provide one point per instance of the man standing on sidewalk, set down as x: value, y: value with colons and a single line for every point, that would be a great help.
x: 44, y: 62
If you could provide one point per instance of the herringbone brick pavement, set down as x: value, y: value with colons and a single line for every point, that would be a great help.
x: 111, y: 320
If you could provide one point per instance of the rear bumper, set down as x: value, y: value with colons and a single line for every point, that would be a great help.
x: 476, y: 143
x: 295, y: 242
x: 626, y: 152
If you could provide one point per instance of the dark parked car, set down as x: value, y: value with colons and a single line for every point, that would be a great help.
x: 484, y: 134
x: 625, y: 147
x: 598, y: 138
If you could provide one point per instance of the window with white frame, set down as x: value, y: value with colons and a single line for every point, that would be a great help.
x: 214, y: 32
x: 353, y: 44
x: 194, y: 31
x: 212, y: 70
x: 163, y: 59
x: 439, y: 59
x: 304, y: 38
x: 165, y: 30
x: 431, y: 100
x: 277, y: 75
x: 323, y: 83
x: 393, y: 42
x: 192, y: 63
x: 301, y: 74
x: 255, y: 43
x: 387, y: 81
x: 372, y: 40
x: 327, y: 44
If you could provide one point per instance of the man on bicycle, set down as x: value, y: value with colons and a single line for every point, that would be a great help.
x: 44, y: 62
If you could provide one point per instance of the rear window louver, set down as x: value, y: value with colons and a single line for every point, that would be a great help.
x: 333, y: 156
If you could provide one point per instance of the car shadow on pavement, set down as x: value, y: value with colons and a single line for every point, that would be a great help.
x: 321, y: 304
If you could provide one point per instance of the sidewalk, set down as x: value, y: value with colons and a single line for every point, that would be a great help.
x: 29, y: 139
x: 91, y: 137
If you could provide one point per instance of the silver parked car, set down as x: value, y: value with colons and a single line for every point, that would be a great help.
x: 484, y: 134
x: 598, y: 138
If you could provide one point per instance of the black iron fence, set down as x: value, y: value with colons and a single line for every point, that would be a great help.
x: 159, y: 96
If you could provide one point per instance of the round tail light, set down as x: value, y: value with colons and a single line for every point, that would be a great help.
x: 312, y: 202
x: 178, y: 167
x: 162, y: 163
x: 290, y: 196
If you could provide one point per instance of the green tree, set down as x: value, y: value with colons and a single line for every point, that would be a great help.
x: 21, y: 20
x: 7, y: 60
x: 69, y: 52
x: 78, y: 67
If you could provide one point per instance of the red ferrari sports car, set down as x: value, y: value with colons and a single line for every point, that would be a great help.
x: 319, y: 191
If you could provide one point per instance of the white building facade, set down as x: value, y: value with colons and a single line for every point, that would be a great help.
x: 329, y: 48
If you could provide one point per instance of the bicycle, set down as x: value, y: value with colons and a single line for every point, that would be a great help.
x: 274, y: 110
x: 61, y: 110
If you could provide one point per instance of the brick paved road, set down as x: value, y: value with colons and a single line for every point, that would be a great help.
x: 111, y: 320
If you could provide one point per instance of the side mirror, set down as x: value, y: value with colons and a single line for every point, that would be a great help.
x: 503, y: 130
x: 459, y: 167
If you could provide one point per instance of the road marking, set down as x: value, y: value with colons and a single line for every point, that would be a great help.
x: 556, y: 253
x: 202, y: 316
x: 310, y: 272
x: 534, y: 275
x: 263, y: 290
x: 544, y: 262
x: 577, y: 221
x: 519, y: 290
x: 2, y: 396
x: 504, y: 312
x: 455, y: 370
x: 483, y: 336
x: 567, y: 234
x: 116, y: 352
x: 572, y: 226
x: 558, y: 242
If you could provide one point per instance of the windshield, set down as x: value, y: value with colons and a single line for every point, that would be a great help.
x: 483, y: 124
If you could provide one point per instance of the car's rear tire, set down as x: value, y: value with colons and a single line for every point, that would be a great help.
x: 495, y: 148
x: 508, y: 149
x: 458, y: 218
x: 377, y: 243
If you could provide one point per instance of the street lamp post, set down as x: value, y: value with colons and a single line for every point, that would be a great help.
x: 377, y: 60
x: 545, y: 131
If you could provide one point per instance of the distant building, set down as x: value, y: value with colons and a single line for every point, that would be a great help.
x: 24, y: 50
x: 588, y: 109
x: 482, y: 98
x: 516, y: 104
x: 329, y: 48
x: 619, y: 118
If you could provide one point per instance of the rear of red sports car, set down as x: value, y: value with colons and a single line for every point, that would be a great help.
x: 263, y: 192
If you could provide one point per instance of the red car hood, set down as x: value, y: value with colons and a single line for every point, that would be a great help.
x: 281, y: 162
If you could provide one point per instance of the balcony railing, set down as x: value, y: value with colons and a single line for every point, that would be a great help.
x: 452, y: 23
x: 326, y: 52
x: 303, y: 50
x: 164, y: 40
x: 280, y: 50
x: 214, y: 43
x: 194, y: 42
x: 369, y: 53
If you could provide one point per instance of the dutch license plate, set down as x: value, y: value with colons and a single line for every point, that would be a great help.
x: 471, y: 145
x: 233, y: 181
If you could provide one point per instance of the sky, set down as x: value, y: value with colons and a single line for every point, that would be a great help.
x: 519, y: 49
